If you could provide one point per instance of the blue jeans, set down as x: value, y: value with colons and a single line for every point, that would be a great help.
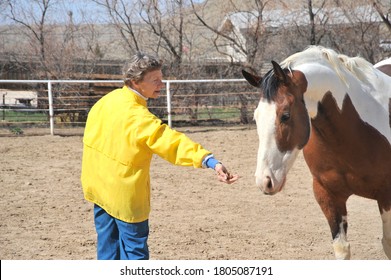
x: 118, y: 240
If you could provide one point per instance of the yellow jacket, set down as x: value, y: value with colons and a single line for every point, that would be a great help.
x: 120, y: 137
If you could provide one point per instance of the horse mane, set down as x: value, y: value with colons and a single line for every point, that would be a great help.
x: 342, y: 64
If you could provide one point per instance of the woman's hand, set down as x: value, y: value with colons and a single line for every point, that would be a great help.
x: 223, y: 175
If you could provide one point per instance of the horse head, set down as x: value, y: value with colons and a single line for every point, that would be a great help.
x: 283, y: 124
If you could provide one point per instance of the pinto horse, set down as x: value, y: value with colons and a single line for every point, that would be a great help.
x: 384, y: 66
x: 335, y: 109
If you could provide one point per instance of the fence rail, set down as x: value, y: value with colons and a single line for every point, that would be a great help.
x: 197, y: 100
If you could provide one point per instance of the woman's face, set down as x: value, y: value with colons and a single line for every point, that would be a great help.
x: 151, y: 85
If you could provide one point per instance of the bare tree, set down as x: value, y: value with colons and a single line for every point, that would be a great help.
x: 240, y: 37
x: 47, y: 46
x: 360, y: 33
x: 247, y: 41
x: 52, y: 48
x: 315, y: 36
x: 34, y: 24
x: 384, y: 12
x: 298, y: 26
x: 265, y: 28
x: 154, y: 25
x: 166, y: 20
x: 350, y: 27
x: 124, y: 15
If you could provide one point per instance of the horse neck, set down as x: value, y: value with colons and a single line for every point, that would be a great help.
x: 383, y: 62
x: 370, y: 100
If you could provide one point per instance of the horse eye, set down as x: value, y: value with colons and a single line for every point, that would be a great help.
x: 285, y: 117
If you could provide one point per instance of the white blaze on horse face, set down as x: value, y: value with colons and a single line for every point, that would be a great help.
x: 272, y: 164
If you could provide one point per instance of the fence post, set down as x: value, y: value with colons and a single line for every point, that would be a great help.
x: 4, y: 94
x: 51, y: 113
x: 168, y: 103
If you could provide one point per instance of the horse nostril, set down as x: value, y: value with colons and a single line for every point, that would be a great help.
x: 268, y: 182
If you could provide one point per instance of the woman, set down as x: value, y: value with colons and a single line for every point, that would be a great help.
x: 120, y: 137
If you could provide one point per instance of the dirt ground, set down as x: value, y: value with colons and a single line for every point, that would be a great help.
x: 44, y: 215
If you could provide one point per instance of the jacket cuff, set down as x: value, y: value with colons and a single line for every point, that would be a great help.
x: 210, y: 162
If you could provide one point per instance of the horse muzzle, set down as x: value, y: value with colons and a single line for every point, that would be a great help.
x: 269, y: 186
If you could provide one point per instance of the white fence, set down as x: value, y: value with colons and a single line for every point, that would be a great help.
x: 169, y: 93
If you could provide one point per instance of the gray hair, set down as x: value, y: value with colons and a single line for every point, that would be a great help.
x: 138, y: 65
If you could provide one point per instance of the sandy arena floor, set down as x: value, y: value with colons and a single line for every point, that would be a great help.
x: 44, y: 215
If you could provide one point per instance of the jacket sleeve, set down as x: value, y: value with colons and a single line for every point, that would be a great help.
x: 169, y: 144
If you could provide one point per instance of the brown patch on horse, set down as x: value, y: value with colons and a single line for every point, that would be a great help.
x: 292, y: 121
x: 348, y: 156
x: 386, y: 69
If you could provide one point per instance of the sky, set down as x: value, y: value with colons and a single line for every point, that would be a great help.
x: 59, y: 11
x: 92, y: 11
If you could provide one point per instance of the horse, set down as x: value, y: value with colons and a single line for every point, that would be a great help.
x: 333, y: 108
x: 384, y: 66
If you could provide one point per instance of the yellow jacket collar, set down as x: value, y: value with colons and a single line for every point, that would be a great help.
x: 136, y: 95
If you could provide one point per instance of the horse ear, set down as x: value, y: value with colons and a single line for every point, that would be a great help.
x: 278, y: 72
x: 253, y: 80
